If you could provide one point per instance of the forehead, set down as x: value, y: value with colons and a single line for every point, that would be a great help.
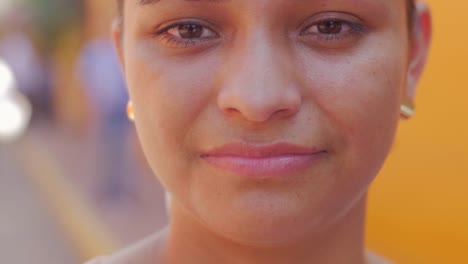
x: 152, y: 2
x: 395, y: 8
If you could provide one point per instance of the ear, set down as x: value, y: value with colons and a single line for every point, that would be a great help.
x: 420, y: 40
x: 117, y: 39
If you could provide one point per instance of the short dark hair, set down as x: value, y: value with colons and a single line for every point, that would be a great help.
x: 410, y: 9
x: 120, y: 6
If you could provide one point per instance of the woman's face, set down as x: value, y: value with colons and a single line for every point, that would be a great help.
x: 258, y: 115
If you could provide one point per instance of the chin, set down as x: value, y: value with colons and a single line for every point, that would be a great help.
x: 266, y: 219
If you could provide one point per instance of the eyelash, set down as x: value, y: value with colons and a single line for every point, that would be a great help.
x: 355, y: 31
x: 175, y: 42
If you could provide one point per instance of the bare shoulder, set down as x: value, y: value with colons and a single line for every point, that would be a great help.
x: 373, y: 258
x: 98, y: 260
x: 148, y: 251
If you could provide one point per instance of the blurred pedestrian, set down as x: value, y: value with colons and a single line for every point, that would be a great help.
x: 99, y: 72
x: 18, y: 49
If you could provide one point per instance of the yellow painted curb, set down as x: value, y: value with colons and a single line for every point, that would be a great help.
x: 88, y: 235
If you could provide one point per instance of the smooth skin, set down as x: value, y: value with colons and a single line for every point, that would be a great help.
x: 324, y: 74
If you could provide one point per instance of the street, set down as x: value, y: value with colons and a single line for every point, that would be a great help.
x: 28, y: 231
x: 55, y: 204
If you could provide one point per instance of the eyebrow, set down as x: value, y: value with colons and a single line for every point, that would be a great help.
x: 148, y: 2
x: 152, y: 2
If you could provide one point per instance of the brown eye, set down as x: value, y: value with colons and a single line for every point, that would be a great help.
x: 333, y: 28
x: 330, y: 27
x: 186, y: 35
x: 333, y: 33
x: 190, y: 31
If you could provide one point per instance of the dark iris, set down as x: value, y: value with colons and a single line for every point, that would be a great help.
x: 330, y: 27
x: 190, y: 31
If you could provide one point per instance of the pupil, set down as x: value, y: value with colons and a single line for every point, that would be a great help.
x: 190, y: 31
x: 330, y: 27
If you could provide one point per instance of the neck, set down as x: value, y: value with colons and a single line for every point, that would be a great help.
x: 190, y: 242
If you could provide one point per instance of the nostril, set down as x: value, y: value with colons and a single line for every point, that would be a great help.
x: 231, y: 110
x: 282, y: 113
x: 260, y: 106
x: 255, y: 101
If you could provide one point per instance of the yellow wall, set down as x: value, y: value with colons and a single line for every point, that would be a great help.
x: 418, y: 210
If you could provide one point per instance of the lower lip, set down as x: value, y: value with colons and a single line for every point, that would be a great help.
x: 265, y: 167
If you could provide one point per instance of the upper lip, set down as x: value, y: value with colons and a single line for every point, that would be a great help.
x: 247, y: 150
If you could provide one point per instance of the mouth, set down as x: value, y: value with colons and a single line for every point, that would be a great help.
x: 263, y: 161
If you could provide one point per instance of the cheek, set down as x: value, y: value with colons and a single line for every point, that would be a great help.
x: 360, y: 96
x: 363, y: 97
x: 169, y: 96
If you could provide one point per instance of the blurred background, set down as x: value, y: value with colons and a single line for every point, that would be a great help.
x: 74, y: 184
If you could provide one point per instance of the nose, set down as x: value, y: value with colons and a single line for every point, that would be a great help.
x: 259, y: 84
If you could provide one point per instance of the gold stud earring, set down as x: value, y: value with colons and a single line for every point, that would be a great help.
x: 407, y: 108
x: 130, y: 114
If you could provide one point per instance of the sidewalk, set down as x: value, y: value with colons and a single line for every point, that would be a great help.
x: 95, y: 223
x: 28, y: 230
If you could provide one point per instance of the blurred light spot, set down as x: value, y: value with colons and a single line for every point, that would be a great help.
x: 5, y: 6
x: 7, y: 79
x: 15, y: 113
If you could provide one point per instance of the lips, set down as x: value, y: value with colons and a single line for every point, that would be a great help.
x: 263, y: 161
